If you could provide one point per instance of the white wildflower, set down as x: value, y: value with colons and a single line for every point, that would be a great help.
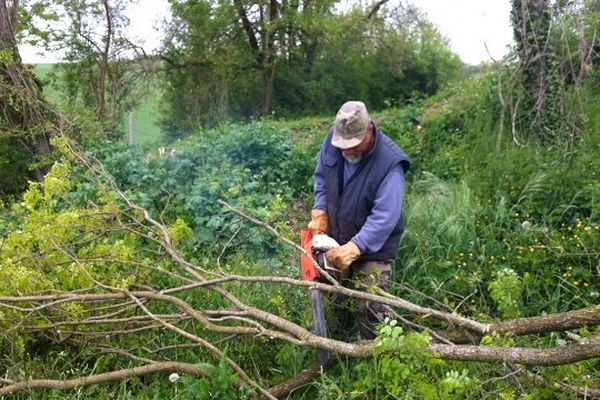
x: 526, y: 224
x: 174, y: 377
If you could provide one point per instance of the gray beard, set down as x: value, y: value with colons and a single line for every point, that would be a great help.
x: 352, y: 160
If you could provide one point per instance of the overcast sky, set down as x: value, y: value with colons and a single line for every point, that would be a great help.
x: 470, y: 25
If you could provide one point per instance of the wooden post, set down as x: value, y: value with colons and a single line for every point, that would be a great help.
x: 131, y: 128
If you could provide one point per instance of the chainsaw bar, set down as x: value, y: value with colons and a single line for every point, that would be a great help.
x: 319, y: 324
x: 310, y: 273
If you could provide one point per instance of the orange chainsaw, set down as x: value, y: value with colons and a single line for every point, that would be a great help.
x: 310, y: 273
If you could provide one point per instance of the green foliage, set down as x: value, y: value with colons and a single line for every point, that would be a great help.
x: 44, y: 244
x: 217, y: 385
x: 493, y: 231
x: 290, y: 358
x: 14, y: 167
x: 403, y: 368
x: 477, y: 204
x: 256, y: 167
x: 6, y: 57
x: 308, y: 58
x: 180, y: 232
x: 506, y: 291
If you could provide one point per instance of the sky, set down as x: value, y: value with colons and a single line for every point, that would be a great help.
x: 469, y: 25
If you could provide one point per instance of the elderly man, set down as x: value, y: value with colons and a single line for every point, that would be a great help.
x: 359, y: 187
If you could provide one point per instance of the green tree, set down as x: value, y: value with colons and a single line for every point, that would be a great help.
x: 295, y: 57
x: 26, y: 120
x: 102, y: 69
x: 555, y: 50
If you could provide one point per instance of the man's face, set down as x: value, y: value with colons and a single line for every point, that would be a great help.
x: 354, y: 154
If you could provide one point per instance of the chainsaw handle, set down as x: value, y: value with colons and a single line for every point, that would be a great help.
x: 319, y: 254
x: 322, y: 261
x: 309, y: 272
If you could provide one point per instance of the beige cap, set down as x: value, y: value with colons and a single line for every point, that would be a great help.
x: 351, y: 124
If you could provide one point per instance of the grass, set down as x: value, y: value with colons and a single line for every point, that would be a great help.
x: 42, y: 70
x: 146, y: 127
x: 51, y: 92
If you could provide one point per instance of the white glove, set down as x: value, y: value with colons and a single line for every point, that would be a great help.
x: 324, y: 242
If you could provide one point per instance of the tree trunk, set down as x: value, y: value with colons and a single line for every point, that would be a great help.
x: 531, y: 20
x: 104, y: 63
x: 24, y: 110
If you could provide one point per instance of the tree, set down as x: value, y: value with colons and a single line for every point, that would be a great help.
x: 253, y: 40
x: 555, y: 49
x: 26, y: 121
x: 101, y: 71
x: 295, y: 57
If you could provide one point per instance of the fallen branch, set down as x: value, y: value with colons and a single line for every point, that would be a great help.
x: 308, y: 375
x: 560, y: 355
x: 528, y: 326
x: 167, y: 366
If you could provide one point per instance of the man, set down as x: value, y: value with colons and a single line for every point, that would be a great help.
x: 359, y: 188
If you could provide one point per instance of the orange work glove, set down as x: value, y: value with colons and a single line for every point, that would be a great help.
x: 319, y: 225
x: 341, y: 257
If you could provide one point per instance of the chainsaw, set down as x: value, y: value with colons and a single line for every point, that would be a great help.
x: 317, y: 248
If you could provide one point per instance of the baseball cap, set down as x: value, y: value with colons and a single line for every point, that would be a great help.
x: 351, y: 124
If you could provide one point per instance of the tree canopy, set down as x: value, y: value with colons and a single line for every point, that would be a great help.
x: 295, y: 58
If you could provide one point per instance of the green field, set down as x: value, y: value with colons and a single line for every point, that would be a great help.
x: 146, y: 117
x: 146, y: 114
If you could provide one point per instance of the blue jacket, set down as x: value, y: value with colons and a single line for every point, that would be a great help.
x: 348, y: 194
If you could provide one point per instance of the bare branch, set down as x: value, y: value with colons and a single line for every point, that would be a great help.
x: 208, y: 346
x: 332, y: 280
x: 168, y: 366
x: 376, y: 8
x: 545, y: 357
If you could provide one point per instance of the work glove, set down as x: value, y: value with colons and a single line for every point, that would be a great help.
x: 341, y: 257
x: 319, y: 224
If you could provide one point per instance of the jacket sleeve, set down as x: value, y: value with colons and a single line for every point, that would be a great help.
x: 319, y: 185
x: 385, y: 214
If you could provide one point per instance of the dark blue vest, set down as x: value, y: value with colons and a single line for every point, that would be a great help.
x: 349, y: 207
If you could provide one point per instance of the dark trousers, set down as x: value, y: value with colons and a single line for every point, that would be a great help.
x: 362, y: 314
